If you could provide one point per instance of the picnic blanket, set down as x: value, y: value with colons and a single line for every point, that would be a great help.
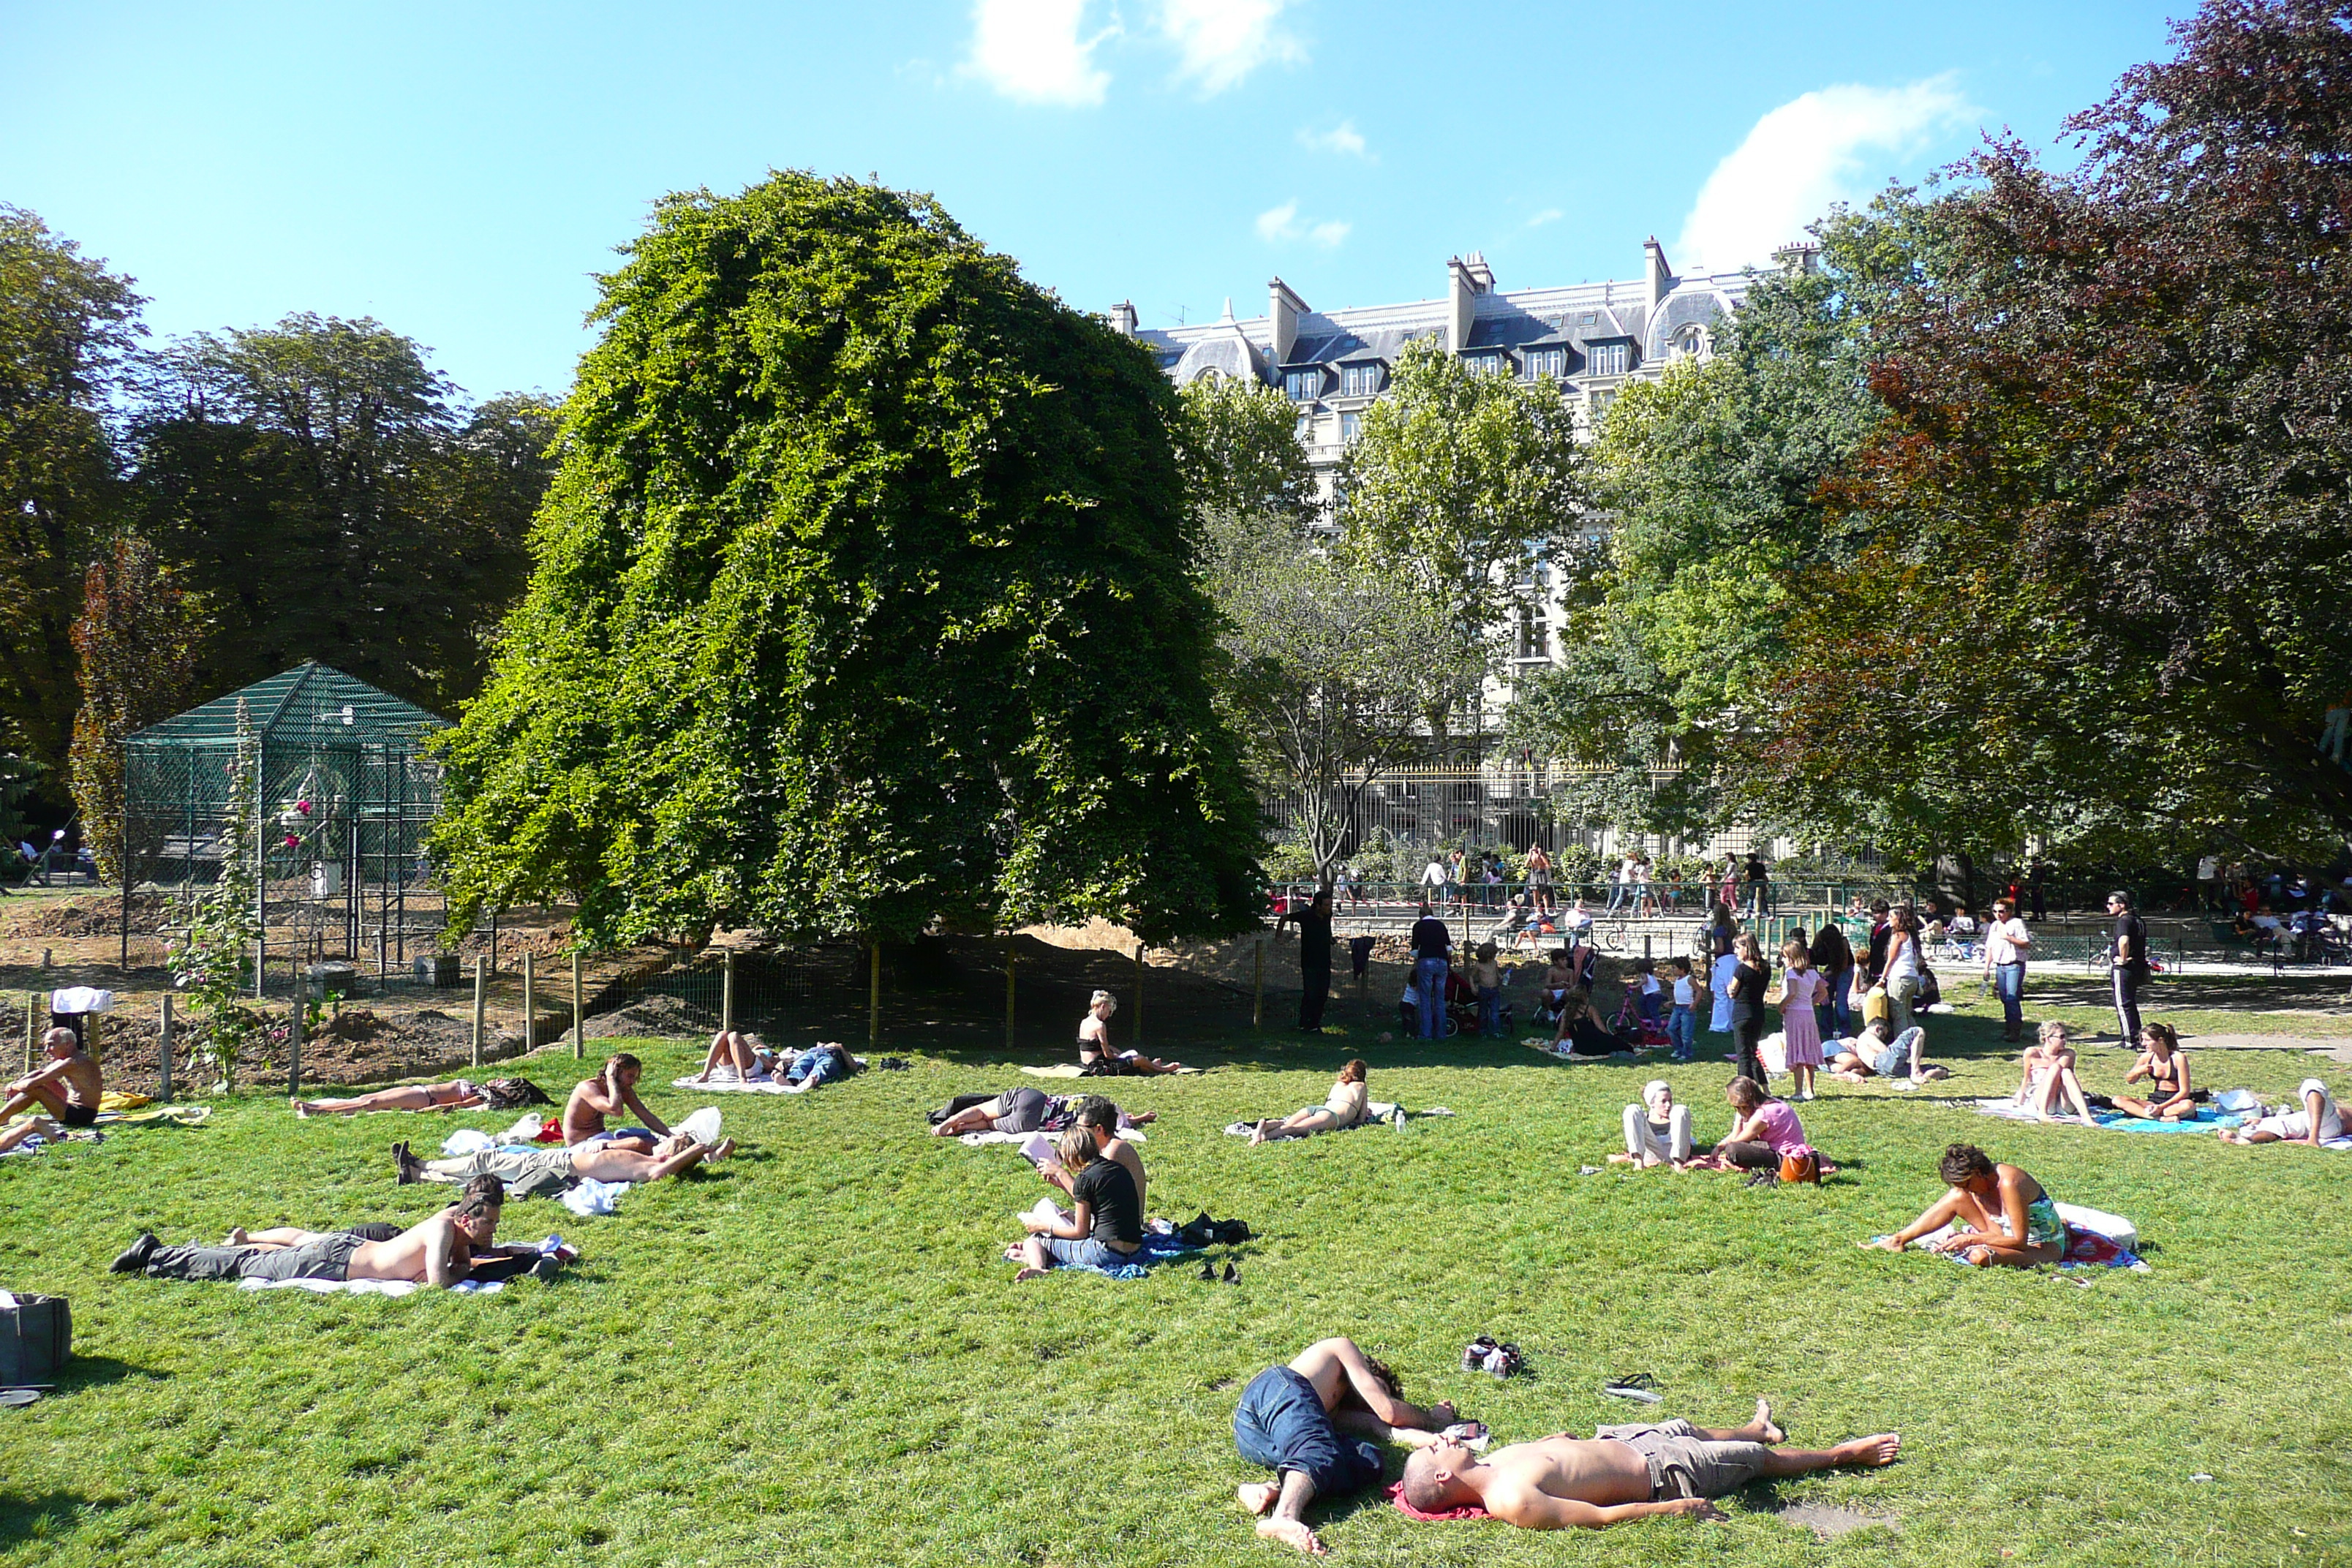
x: 1468, y: 1511
x: 1072, y: 1069
x: 725, y: 1080
x: 981, y: 1140
x: 367, y: 1287
x: 155, y: 1115
x: 2086, y: 1247
x: 1155, y: 1250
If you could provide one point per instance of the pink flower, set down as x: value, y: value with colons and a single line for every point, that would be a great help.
x: 303, y: 806
x: 293, y: 842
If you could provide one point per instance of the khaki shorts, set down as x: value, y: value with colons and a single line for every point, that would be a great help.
x: 1684, y: 1464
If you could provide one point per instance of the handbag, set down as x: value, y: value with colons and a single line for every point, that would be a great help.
x: 1802, y: 1164
x: 36, y: 1338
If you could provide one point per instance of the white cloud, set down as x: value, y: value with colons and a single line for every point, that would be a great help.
x: 1279, y: 224
x: 1550, y: 215
x: 1030, y: 51
x: 1342, y: 138
x: 1805, y: 155
x: 1222, y: 41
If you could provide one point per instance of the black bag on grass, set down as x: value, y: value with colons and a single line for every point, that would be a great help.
x: 36, y: 1338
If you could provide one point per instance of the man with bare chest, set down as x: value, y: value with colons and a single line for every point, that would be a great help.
x: 437, y: 1250
x: 66, y: 1086
x: 1622, y: 1473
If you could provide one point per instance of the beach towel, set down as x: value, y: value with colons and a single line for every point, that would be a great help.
x: 1072, y: 1069
x: 2086, y: 1247
x: 124, y: 1100
x: 157, y: 1116
x: 981, y: 1140
x: 725, y: 1080
x: 1155, y: 1250
x: 395, y: 1287
x: 1468, y: 1511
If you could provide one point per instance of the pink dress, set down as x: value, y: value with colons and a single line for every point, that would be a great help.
x: 1801, y: 988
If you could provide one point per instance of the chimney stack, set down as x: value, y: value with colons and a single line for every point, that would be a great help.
x: 1659, y: 275
x: 1283, y: 309
x: 1121, y: 317
x: 1464, y: 280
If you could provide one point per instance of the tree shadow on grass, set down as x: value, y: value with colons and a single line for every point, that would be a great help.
x: 29, y: 1516
x: 83, y: 1371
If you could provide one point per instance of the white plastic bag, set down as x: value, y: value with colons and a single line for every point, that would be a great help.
x: 466, y: 1141
x: 702, y: 1126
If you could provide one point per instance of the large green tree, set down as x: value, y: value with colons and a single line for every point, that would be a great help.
x: 1238, y: 445
x: 862, y: 601
x: 2119, y: 455
x: 319, y: 488
x: 66, y: 324
x: 1461, y: 485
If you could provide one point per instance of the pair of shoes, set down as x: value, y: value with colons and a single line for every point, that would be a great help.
x: 411, y: 1168
x: 1208, y: 1269
x: 1233, y: 1276
x: 133, y: 1257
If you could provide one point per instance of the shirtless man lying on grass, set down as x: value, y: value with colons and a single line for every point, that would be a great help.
x: 1307, y: 1422
x: 439, y: 1250
x: 546, y: 1172
x: 1624, y: 1472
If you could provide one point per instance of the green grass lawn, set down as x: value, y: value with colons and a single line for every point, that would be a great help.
x: 813, y: 1354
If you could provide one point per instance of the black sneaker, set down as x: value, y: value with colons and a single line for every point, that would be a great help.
x: 546, y: 1269
x: 133, y: 1257
x: 411, y: 1168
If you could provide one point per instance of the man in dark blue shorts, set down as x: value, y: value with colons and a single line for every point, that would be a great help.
x: 1308, y: 1421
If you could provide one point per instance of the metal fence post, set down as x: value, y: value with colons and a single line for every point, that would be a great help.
x: 1257, y: 982
x: 530, y: 1000
x: 726, y: 995
x: 873, y: 996
x: 579, y: 1034
x: 1138, y: 995
x: 482, y: 981
x: 163, y: 1051
x: 1009, y: 962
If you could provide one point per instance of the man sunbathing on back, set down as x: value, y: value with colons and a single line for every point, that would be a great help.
x: 1624, y: 1472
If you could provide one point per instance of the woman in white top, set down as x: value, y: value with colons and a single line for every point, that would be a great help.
x: 1901, y: 974
x: 2006, y: 942
x: 1344, y: 1107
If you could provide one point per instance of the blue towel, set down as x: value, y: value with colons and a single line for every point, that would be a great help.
x: 2205, y: 1120
x: 1156, y: 1249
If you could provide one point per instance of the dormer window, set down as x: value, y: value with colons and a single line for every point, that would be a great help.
x: 1303, y: 386
x: 1484, y: 364
x: 1691, y: 342
x: 1610, y: 359
x: 1359, y: 380
x: 1552, y: 362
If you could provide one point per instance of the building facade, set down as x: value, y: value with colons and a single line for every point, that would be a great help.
x: 1592, y: 337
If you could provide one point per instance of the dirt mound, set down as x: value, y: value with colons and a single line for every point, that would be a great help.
x: 655, y: 1016
x: 96, y: 915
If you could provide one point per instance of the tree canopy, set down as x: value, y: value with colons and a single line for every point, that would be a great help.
x: 66, y: 325
x: 861, y: 602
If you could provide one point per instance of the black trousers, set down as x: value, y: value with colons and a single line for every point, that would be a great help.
x: 1312, y: 999
x: 1751, y: 1156
x: 2127, y: 979
x: 1747, y: 1030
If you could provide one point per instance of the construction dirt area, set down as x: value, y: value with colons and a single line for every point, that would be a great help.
x: 944, y: 994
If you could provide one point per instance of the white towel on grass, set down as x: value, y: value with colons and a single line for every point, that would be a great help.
x: 367, y: 1287
x: 981, y: 1140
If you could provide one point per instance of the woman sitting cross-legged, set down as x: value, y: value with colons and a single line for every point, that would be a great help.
x: 1658, y: 1131
x: 2002, y: 1215
x: 2165, y: 1065
x: 1343, y: 1108
x: 1766, y: 1130
x: 1105, y: 1230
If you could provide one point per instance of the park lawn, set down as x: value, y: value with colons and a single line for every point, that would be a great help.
x: 814, y: 1355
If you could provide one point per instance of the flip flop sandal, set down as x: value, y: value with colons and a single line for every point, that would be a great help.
x: 1640, y: 1387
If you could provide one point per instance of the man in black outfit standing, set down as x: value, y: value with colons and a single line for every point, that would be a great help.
x: 1314, y: 959
x: 2127, y: 951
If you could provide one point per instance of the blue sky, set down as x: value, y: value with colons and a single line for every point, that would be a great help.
x: 459, y: 171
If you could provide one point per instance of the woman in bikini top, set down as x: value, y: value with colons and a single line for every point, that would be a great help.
x: 1094, y: 1043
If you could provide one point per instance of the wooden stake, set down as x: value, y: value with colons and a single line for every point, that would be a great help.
x: 481, y: 984
x: 1138, y: 995
x: 163, y: 1051
x: 32, y: 1000
x: 530, y: 1000
x: 1258, y: 984
x: 874, y: 998
x: 294, y: 1035
x: 1008, y: 998
x: 579, y: 1034
x: 726, y: 995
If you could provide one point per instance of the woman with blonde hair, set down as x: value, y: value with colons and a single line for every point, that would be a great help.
x: 1801, y: 988
x: 1095, y: 1053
